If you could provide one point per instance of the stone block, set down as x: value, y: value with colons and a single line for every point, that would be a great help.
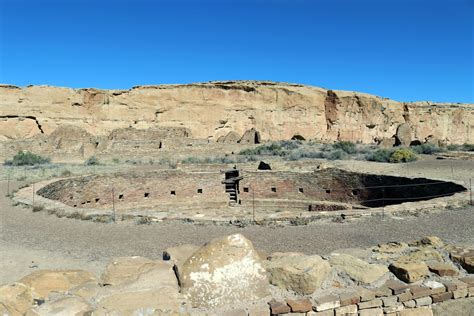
x: 349, y: 298
x: 441, y: 297
x: 449, y: 285
x: 423, y: 301
x: 382, y: 291
x: 277, y: 307
x: 410, y: 304
x: 460, y: 285
x: 389, y: 301
x: 376, y: 302
x: 419, y: 291
x: 443, y: 269
x: 471, y: 292
x: 460, y: 293
x: 422, y: 311
x: 403, y: 297
x: 436, y: 287
x: 326, y: 302
x: 260, y: 309
x: 329, y: 312
x: 409, y: 271
x: 371, y: 312
x: 393, y: 309
x: 346, y: 310
x: 396, y: 286
x: 365, y: 295
x: 468, y: 280
x: 301, y: 305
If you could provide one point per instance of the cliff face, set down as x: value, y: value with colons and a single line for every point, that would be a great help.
x: 213, y: 110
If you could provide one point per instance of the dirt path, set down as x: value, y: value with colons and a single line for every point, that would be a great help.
x: 36, y: 240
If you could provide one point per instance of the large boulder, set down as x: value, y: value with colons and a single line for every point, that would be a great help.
x: 43, y: 282
x: 15, y: 299
x: 403, y: 135
x: 297, y: 272
x: 231, y: 138
x: 357, y: 269
x: 251, y: 136
x: 223, y: 271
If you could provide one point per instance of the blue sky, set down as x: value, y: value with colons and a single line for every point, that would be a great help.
x: 405, y: 50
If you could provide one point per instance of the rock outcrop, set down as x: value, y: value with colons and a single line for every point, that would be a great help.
x: 223, y: 271
x: 225, y: 111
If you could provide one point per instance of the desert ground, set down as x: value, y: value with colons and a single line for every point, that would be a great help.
x: 31, y: 241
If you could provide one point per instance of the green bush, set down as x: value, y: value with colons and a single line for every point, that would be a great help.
x: 464, y: 147
x: 273, y: 149
x: 92, y: 161
x: 427, y: 149
x: 380, y: 155
x: 346, y: 146
x: 66, y: 173
x: 335, y: 155
x: 402, y: 155
x: 26, y: 158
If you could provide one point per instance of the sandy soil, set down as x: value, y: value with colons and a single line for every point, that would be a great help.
x: 30, y: 241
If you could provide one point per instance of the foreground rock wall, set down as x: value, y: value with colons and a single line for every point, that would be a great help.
x: 227, y: 276
x: 225, y: 111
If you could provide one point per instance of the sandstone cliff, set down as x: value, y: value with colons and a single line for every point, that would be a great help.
x: 213, y: 110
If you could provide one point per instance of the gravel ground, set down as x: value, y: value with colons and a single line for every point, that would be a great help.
x: 36, y: 240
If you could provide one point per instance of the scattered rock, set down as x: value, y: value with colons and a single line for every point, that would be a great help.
x: 301, y: 305
x: 409, y: 271
x: 160, y: 300
x: 430, y: 241
x: 223, y: 271
x: 300, y: 273
x: 264, y: 166
x: 125, y: 269
x: 64, y: 306
x: 422, y: 254
x: 43, y: 282
x: 442, y: 269
x: 277, y: 307
x: 357, y: 269
x: 156, y: 289
x: 462, y: 256
x: 15, y: 299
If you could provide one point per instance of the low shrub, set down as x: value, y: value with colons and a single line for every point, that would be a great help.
x: 380, y: 155
x: 26, y: 158
x: 464, y: 147
x: 346, y: 146
x: 92, y: 161
x: 427, y: 149
x: 37, y: 208
x: 335, y: 155
x: 402, y: 155
x: 273, y: 149
x: 66, y: 173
